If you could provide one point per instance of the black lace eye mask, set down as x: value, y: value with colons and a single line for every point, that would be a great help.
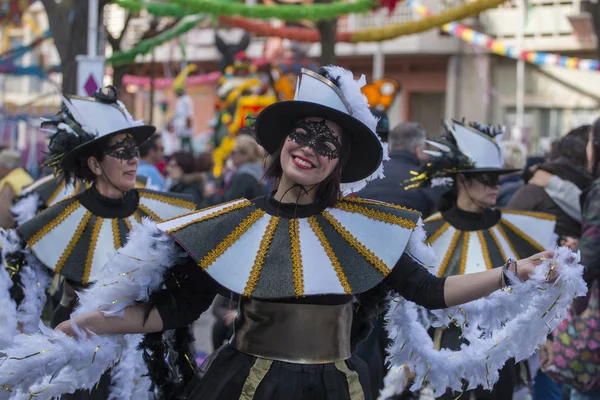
x: 317, y: 136
x: 125, y: 149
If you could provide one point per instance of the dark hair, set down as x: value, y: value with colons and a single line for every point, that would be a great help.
x: 571, y: 148
x: 596, y: 144
x: 149, y: 144
x: 185, y: 160
x: 204, y: 162
x: 328, y: 191
x: 82, y: 170
x: 448, y: 199
x: 581, y: 132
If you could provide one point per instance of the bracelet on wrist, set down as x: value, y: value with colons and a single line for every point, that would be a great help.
x: 505, y: 278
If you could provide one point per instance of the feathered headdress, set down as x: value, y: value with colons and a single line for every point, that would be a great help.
x: 463, y: 148
x: 66, y: 134
x: 81, y: 122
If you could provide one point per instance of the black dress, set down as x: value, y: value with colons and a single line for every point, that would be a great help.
x: 234, y: 373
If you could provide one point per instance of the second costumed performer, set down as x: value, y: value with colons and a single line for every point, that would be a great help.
x: 311, y: 267
x: 94, y: 143
x: 469, y: 234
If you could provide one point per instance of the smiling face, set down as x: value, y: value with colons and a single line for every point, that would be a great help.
x: 120, y: 163
x: 311, y: 152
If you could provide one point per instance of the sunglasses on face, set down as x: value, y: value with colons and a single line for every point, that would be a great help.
x: 488, y: 179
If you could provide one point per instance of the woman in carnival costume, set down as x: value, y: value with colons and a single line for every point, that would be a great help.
x: 94, y: 144
x: 36, y: 197
x: 469, y: 234
x: 311, y: 269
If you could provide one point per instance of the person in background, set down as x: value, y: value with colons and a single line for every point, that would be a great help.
x: 468, y: 214
x: 245, y: 182
x: 515, y: 157
x: 550, y: 190
x: 590, y: 235
x: 406, y: 144
x: 183, y: 119
x: 185, y: 176
x: 152, y: 153
x: 555, y: 186
x: 13, y: 179
x: 383, y: 124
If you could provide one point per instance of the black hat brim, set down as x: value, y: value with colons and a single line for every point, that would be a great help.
x: 140, y: 135
x: 501, y: 171
x: 277, y: 120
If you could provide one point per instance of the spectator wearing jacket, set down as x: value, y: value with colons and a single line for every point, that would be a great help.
x: 406, y: 143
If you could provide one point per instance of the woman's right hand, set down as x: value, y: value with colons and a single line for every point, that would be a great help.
x: 67, y: 328
x: 75, y: 326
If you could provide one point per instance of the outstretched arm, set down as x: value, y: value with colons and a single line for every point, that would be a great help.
x: 189, y: 292
x: 414, y: 282
x: 134, y: 321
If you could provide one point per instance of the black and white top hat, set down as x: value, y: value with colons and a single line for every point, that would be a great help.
x: 472, y: 148
x: 87, y: 120
x: 481, y: 144
x: 334, y: 95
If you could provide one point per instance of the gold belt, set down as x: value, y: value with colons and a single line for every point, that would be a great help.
x: 295, y: 333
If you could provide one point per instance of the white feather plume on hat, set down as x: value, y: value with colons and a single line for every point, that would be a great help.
x: 359, y: 106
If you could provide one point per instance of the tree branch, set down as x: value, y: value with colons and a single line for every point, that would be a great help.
x: 152, y: 31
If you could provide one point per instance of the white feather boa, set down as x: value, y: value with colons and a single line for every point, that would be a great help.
x: 8, y: 308
x: 26, y: 208
x: 128, y: 377
x: 133, y: 274
x: 34, y: 280
x: 360, y: 110
x: 52, y: 363
x: 503, y: 325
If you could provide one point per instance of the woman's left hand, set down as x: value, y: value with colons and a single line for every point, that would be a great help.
x: 547, y: 353
x: 526, y: 266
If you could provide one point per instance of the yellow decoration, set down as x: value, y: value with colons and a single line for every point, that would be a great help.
x: 226, y: 118
x: 179, y: 81
x: 54, y: 223
x: 339, y: 271
x: 410, y: 28
x: 69, y: 249
x: 376, y: 215
x: 260, y: 256
x: 221, y: 153
x: 173, y: 201
x: 92, y: 250
x: 358, y: 246
x: 485, y: 250
x: 224, y: 210
x: 296, y: 257
x: 237, y: 92
x: 498, y: 48
x: 239, y: 230
x: 148, y: 212
x: 248, y: 106
x: 449, y: 253
x: 282, y: 85
x: 381, y: 94
x: 115, y: 232
x: 465, y: 251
